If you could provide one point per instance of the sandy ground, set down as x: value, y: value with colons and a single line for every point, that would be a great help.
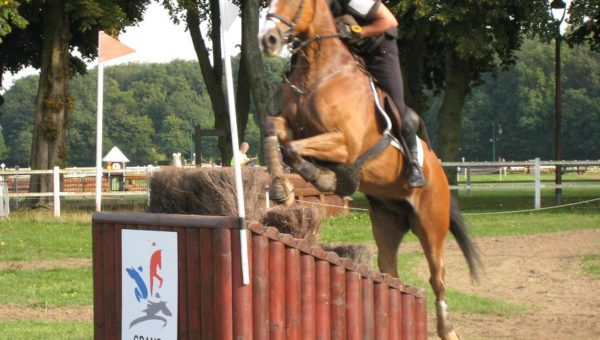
x: 540, y: 271
x: 54, y: 264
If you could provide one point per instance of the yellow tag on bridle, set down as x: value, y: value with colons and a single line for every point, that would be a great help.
x: 356, y: 28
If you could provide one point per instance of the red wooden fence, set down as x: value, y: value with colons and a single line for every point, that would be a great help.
x: 296, y: 291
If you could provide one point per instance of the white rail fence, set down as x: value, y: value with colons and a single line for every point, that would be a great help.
x: 534, y: 167
x: 79, y: 183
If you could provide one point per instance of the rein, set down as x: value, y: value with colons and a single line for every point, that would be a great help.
x: 315, y: 85
x: 290, y: 37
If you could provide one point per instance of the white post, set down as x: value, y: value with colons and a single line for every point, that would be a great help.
x: 99, y: 133
x: 225, y: 26
x: 267, y: 203
x: 468, y: 170
x: 56, y: 191
x: 538, y: 184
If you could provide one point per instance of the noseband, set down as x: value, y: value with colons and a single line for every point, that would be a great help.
x: 291, y: 24
x: 289, y: 35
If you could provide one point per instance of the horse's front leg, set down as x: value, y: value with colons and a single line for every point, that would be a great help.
x: 330, y: 147
x: 281, y: 189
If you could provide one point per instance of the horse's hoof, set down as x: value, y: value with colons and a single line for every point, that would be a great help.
x: 282, y: 192
x: 450, y: 336
x: 326, y: 181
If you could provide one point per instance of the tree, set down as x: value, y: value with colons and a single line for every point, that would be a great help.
x: 3, y: 147
x: 17, y: 120
x: 521, y: 101
x: 584, y: 16
x: 207, y: 12
x: 10, y: 19
x: 159, y: 92
x: 174, y: 135
x: 64, y: 26
x: 262, y: 86
x: 446, y: 46
x: 250, y: 71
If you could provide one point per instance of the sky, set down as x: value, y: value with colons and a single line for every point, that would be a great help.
x: 156, y: 39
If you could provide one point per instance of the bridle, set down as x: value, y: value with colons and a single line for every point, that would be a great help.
x: 289, y: 35
x: 291, y: 24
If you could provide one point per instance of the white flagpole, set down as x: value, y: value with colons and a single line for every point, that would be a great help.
x: 235, y: 143
x: 99, y: 129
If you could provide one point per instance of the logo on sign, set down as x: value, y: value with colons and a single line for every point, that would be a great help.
x: 149, y: 284
x: 155, y: 309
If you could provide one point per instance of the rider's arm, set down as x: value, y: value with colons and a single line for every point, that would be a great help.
x: 383, y: 20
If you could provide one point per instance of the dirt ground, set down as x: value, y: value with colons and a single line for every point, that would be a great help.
x: 540, y: 271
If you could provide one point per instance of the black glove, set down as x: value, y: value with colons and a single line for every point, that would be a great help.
x: 348, y: 29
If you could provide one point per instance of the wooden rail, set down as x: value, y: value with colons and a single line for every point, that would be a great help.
x: 296, y: 291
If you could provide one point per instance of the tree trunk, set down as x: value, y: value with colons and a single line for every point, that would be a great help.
x: 252, y: 56
x: 1, y: 80
x: 212, y: 73
x: 242, y: 99
x: 412, y: 58
x: 449, y: 115
x: 52, y: 102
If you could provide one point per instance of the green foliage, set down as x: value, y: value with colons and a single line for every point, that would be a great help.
x: 485, y: 33
x: 175, y: 135
x: 149, y: 111
x: 23, y: 47
x: 49, y: 330
x: 3, y: 147
x: 10, y: 17
x: 584, y: 15
x: 521, y: 102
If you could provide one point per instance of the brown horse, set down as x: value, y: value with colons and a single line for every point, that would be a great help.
x: 330, y: 132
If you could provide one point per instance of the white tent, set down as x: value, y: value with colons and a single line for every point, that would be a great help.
x: 115, y: 155
x: 115, y: 158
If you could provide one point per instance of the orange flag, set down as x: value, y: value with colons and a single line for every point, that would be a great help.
x: 110, y: 48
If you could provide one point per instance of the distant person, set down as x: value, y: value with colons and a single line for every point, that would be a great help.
x: 243, y: 153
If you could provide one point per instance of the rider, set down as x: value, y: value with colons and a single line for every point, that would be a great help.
x: 374, y: 39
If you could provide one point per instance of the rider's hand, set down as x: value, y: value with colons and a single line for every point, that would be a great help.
x: 348, y: 29
x: 350, y: 34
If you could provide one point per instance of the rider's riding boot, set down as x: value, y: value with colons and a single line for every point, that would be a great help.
x: 416, y: 179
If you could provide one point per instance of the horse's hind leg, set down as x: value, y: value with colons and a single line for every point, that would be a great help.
x: 389, y: 227
x: 431, y: 228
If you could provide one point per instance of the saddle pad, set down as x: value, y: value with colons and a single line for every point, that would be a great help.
x: 420, y: 151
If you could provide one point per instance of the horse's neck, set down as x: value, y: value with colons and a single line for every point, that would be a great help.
x: 322, y: 56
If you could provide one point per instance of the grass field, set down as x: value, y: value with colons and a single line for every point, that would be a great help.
x: 39, y: 237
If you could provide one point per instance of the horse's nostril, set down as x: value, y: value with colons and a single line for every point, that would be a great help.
x: 271, y: 40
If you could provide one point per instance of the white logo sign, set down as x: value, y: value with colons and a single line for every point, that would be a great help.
x: 149, y: 284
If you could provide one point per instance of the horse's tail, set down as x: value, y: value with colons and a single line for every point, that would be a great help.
x: 458, y: 228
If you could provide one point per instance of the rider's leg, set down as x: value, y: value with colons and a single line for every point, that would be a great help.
x: 384, y: 65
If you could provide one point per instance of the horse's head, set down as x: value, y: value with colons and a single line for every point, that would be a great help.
x: 285, y: 20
